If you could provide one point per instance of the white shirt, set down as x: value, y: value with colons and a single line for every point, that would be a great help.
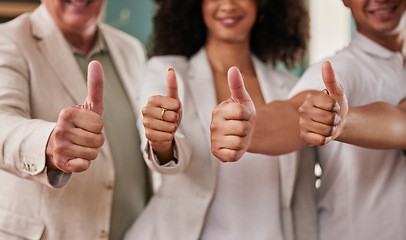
x: 246, y: 204
x: 363, y: 191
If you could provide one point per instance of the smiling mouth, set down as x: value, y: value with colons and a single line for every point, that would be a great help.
x: 383, y: 11
x: 77, y: 3
x: 229, y: 20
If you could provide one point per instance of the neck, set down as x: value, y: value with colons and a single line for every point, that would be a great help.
x: 84, y: 40
x: 223, y: 55
x: 394, y: 42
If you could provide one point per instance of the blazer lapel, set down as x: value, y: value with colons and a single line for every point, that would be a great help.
x: 271, y: 86
x: 201, y: 87
x: 58, y: 55
x: 269, y: 83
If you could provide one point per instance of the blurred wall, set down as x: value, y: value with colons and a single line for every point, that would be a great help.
x: 330, y: 28
x: 131, y: 16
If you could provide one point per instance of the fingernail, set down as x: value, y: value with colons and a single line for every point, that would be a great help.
x: 336, y: 107
x: 327, y: 140
x: 171, y: 69
x: 337, y: 120
x: 334, y: 130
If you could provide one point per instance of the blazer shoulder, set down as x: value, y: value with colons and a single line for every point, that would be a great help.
x: 14, y: 29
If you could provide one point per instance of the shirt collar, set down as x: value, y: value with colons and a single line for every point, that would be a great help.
x: 370, y: 47
x: 98, y: 47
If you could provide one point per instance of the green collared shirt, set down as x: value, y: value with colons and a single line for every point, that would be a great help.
x: 131, y: 185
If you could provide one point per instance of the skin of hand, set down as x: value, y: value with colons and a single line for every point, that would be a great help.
x: 323, y: 114
x: 77, y: 136
x: 160, y: 132
x: 233, y: 121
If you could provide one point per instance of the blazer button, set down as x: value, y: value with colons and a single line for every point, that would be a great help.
x: 33, y: 167
x: 103, y: 233
x: 26, y: 166
x: 109, y: 184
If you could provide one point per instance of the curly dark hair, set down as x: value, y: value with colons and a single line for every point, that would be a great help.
x: 280, y: 34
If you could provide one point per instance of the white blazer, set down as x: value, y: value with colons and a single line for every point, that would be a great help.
x: 179, y: 207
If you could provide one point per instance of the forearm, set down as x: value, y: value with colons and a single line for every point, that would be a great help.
x: 377, y: 125
x: 22, y: 138
x: 277, y: 129
x: 23, y: 142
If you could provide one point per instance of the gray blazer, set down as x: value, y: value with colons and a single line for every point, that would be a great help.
x: 40, y: 77
x: 178, y: 209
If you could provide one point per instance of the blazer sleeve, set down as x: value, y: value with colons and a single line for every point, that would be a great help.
x: 22, y: 139
x: 154, y: 83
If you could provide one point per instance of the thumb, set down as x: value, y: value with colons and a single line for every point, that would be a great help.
x: 171, y: 84
x: 95, y: 87
x: 236, y: 84
x: 329, y: 79
x: 238, y: 92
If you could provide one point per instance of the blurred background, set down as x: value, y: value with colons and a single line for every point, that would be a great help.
x: 331, y: 23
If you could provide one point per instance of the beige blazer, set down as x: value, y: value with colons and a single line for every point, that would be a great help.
x: 39, y: 77
x: 178, y: 209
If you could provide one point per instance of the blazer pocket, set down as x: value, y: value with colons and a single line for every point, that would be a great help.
x: 18, y: 226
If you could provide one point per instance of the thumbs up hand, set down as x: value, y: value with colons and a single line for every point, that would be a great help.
x: 162, y: 116
x: 77, y: 136
x: 233, y: 121
x: 323, y: 114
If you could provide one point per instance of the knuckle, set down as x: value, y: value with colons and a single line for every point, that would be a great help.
x: 302, y: 124
x: 149, y: 134
x: 146, y: 122
x: 154, y: 100
x: 169, y: 136
x: 102, y: 140
x: 213, y: 126
x: 98, y: 125
x: 245, y: 128
x: 320, y: 141
x: 331, y: 119
x: 82, y: 167
x: 66, y: 114
x: 332, y: 104
x: 93, y: 154
x: 216, y: 111
x: 172, y: 128
x: 144, y: 111
x: 243, y: 113
x: 234, y: 156
x: 153, y: 144
x: 58, y: 161
x: 301, y: 110
x: 309, y: 97
x: 173, y: 116
x: 60, y: 165
x: 59, y: 147
x: 239, y: 142
x: 214, y: 150
x: 59, y: 132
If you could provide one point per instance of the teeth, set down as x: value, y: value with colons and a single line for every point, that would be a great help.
x: 382, y: 11
x: 229, y: 20
x: 78, y: 4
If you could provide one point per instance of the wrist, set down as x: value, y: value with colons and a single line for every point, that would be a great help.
x: 164, y: 152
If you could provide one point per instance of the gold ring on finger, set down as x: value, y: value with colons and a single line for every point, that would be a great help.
x: 162, y: 113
